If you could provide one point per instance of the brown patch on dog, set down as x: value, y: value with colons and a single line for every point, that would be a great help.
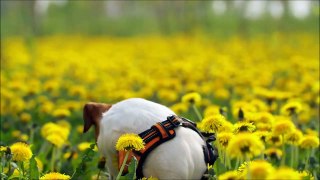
x: 92, y: 114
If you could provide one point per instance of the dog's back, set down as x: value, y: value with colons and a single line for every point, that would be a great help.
x: 179, y: 158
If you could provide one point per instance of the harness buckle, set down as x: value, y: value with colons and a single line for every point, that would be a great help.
x: 174, y: 123
x: 189, y: 121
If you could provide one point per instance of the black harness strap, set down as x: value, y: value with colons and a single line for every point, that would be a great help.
x: 165, y: 130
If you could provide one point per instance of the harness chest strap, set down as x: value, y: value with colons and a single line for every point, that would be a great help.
x: 153, y: 137
x: 158, y: 134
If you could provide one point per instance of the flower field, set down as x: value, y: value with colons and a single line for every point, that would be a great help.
x: 260, y: 96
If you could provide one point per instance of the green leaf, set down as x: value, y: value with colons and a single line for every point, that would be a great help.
x: 14, y: 177
x: 3, y: 176
x: 87, y: 157
x: 132, y: 168
x: 33, y: 168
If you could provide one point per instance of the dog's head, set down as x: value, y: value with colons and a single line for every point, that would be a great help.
x: 92, y: 115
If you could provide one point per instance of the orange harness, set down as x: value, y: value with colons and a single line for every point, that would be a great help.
x: 160, y: 133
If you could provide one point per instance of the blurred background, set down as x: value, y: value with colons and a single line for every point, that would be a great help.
x: 130, y: 18
x: 248, y: 59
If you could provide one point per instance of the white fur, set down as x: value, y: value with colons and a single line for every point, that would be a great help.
x: 179, y: 158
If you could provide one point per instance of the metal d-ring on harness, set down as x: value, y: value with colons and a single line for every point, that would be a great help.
x: 164, y: 131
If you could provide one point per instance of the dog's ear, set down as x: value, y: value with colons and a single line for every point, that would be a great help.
x: 92, y: 114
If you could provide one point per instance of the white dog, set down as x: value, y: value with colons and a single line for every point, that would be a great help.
x: 179, y: 158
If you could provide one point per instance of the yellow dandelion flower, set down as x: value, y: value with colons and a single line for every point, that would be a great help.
x: 275, y: 140
x: 223, y: 138
x: 226, y: 127
x: 21, y: 151
x: 262, y: 135
x: 242, y: 109
x: 283, y: 127
x: 273, y: 153
x: 305, y: 175
x: 46, y: 127
x: 85, y: 145
x: 179, y: 108
x: 243, y: 166
x: 259, y: 169
x: 64, y: 124
x: 222, y: 93
x: 240, y: 127
x: 259, y: 104
x: 55, y: 176
x: 16, y: 133
x: 204, y: 103
x: 211, y: 110
x: 309, y: 141
x: 51, y: 85
x: 46, y: 107
x: 72, y: 105
x: 56, y: 140
x: 264, y: 126
x: 150, y: 178
x: 25, y: 117
x: 167, y: 95
x: 70, y: 155
x: 312, y: 132
x: 14, y: 173
x: 290, y: 108
x: 293, y: 137
x: 129, y: 142
x: 3, y: 148
x: 24, y: 137
x: 52, y: 128
x: 229, y: 175
x: 79, y: 129
x: 284, y: 173
x: 264, y: 121
x: 94, y: 177
x: 78, y: 91
x: 265, y: 117
x: 245, y: 145
x: 213, y: 123
x: 39, y: 164
x: 61, y: 113
x: 192, y: 98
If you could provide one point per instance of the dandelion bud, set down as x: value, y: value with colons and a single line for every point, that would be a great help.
x: 102, y: 163
x: 240, y: 115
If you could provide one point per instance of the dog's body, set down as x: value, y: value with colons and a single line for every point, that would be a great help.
x: 180, y: 158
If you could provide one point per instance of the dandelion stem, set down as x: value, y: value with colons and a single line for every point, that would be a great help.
x: 228, y: 163
x: 306, y: 167
x: 53, y: 158
x: 98, y: 174
x: 123, y: 164
x: 9, y: 167
x: 296, y: 156
x: 237, y: 163
x: 22, y: 170
x: 248, y: 168
x: 224, y: 159
x: 196, y: 111
x: 135, y: 165
x: 294, y: 118
x: 31, y: 135
x: 292, y: 156
x: 283, y: 160
x: 217, y: 168
x: 58, y: 155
